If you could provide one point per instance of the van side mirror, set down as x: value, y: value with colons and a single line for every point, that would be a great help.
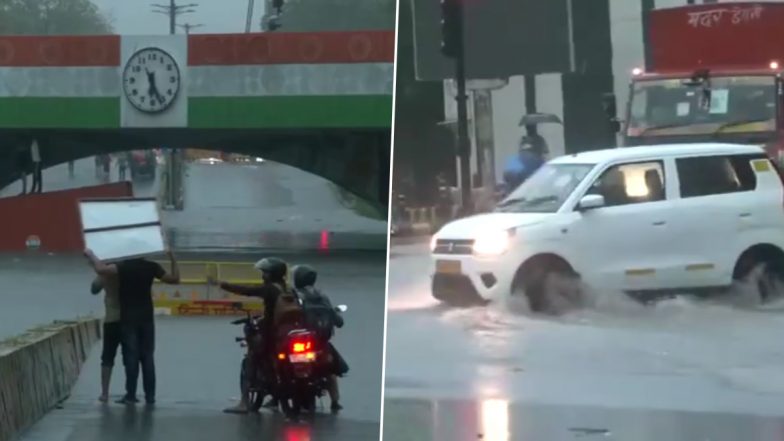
x: 591, y: 202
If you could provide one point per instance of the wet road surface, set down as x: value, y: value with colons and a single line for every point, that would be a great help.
x: 679, y: 369
x: 198, y: 360
x: 230, y: 206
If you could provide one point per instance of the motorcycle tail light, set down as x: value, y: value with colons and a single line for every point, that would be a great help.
x: 300, y: 346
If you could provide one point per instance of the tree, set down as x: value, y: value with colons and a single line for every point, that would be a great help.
x: 52, y: 17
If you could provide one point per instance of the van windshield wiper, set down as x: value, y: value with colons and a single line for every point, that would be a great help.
x: 665, y: 126
x: 729, y: 124
x: 508, y: 202
x: 525, y: 202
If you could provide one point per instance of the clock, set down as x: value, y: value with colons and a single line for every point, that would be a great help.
x: 151, y: 80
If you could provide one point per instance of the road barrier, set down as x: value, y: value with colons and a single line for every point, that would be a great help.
x: 38, y: 369
x: 196, y: 296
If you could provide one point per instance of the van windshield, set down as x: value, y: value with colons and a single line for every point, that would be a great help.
x: 546, y: 190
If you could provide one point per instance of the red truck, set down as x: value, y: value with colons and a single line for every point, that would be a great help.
x: 714, y: 75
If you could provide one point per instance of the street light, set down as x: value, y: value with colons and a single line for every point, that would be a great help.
x: 172, y: 10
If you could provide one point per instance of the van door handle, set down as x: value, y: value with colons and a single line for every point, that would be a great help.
x: 659, y: 223
x: 745, y: 215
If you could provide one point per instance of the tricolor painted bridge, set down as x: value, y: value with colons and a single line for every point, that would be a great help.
x: 321, y: 102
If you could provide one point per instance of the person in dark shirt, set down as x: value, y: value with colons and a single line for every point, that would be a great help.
x: 273, y: 273
x: 134, y: 282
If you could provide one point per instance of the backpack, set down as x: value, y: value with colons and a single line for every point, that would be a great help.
x: 287, y: 308
x: 318, y: 315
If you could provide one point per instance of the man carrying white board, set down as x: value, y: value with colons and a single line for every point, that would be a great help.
x: 135, y: 278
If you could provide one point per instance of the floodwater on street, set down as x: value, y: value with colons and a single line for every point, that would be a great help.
x: 197, y: 358
x: 615, y: 361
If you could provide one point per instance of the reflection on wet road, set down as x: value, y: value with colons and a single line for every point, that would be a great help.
x: 619, y: 361
x: 198, y: 360
x: 230, y: 206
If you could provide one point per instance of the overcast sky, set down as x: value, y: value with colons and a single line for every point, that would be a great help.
x: 217, y: 16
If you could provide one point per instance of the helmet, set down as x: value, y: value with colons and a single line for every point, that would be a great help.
x: 272, y: 268
x: 304, y: 276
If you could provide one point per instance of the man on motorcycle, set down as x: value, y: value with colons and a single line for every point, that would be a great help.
x: 273, y: 273
x: 322, y: 317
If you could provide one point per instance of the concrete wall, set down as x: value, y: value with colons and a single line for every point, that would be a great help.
x: 38, y: 370
x: 33, y: 214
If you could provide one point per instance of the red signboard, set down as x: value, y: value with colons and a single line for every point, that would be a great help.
x: 718, y: 36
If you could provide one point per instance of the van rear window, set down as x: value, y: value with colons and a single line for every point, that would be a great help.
x: 710, y: 175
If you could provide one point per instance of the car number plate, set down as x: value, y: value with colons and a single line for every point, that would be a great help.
x: 448, y: 266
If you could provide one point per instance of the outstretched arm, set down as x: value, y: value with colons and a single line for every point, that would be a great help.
x: 172, y: 278
x: 244, y: 290
x: 102, y: 269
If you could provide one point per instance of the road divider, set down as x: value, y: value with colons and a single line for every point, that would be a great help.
x: 39, y: 368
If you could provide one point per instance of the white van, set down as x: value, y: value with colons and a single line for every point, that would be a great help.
x: 637, y: 220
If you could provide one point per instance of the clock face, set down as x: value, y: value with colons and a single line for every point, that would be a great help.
x: 151, y: 80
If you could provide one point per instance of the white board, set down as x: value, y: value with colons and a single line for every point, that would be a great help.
x: 116, y: 229
x: 104, y: 214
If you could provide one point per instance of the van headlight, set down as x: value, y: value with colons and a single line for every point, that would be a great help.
x: 492, y: 243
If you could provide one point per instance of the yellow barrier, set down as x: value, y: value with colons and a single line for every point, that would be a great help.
x: 198, y: 272
x: 194, y: 295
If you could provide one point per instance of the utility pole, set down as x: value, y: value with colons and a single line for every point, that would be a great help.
x: 249, y: 16
x: 187, y: 27
x: 453, y: 46
x: 173, y: 157
x: 173, y: 10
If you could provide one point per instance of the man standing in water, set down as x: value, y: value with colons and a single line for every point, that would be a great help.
x: 135, y: 278
x: 111, y: 329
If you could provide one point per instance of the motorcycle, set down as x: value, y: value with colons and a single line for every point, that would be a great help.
x: 300, y: 368
x: 251, y: 375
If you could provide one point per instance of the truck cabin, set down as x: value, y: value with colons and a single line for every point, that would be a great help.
x: 737, y: 107
x: 712, y: 73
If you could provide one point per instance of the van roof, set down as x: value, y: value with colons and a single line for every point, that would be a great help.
x: 657, y: 151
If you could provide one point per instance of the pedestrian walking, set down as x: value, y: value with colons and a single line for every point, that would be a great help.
x: 122, y: 166
x: 137, y: 324
x: 107, y: 167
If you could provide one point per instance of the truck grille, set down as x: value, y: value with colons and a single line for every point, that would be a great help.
x: 454, y: 246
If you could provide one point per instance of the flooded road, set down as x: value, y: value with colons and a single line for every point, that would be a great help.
x: 620, y: 358
x: 198, y: 360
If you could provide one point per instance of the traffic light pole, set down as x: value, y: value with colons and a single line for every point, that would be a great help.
x: 463, y: 141
x: 453, y: 46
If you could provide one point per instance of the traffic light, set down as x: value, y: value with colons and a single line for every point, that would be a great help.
x: 451, y: 27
